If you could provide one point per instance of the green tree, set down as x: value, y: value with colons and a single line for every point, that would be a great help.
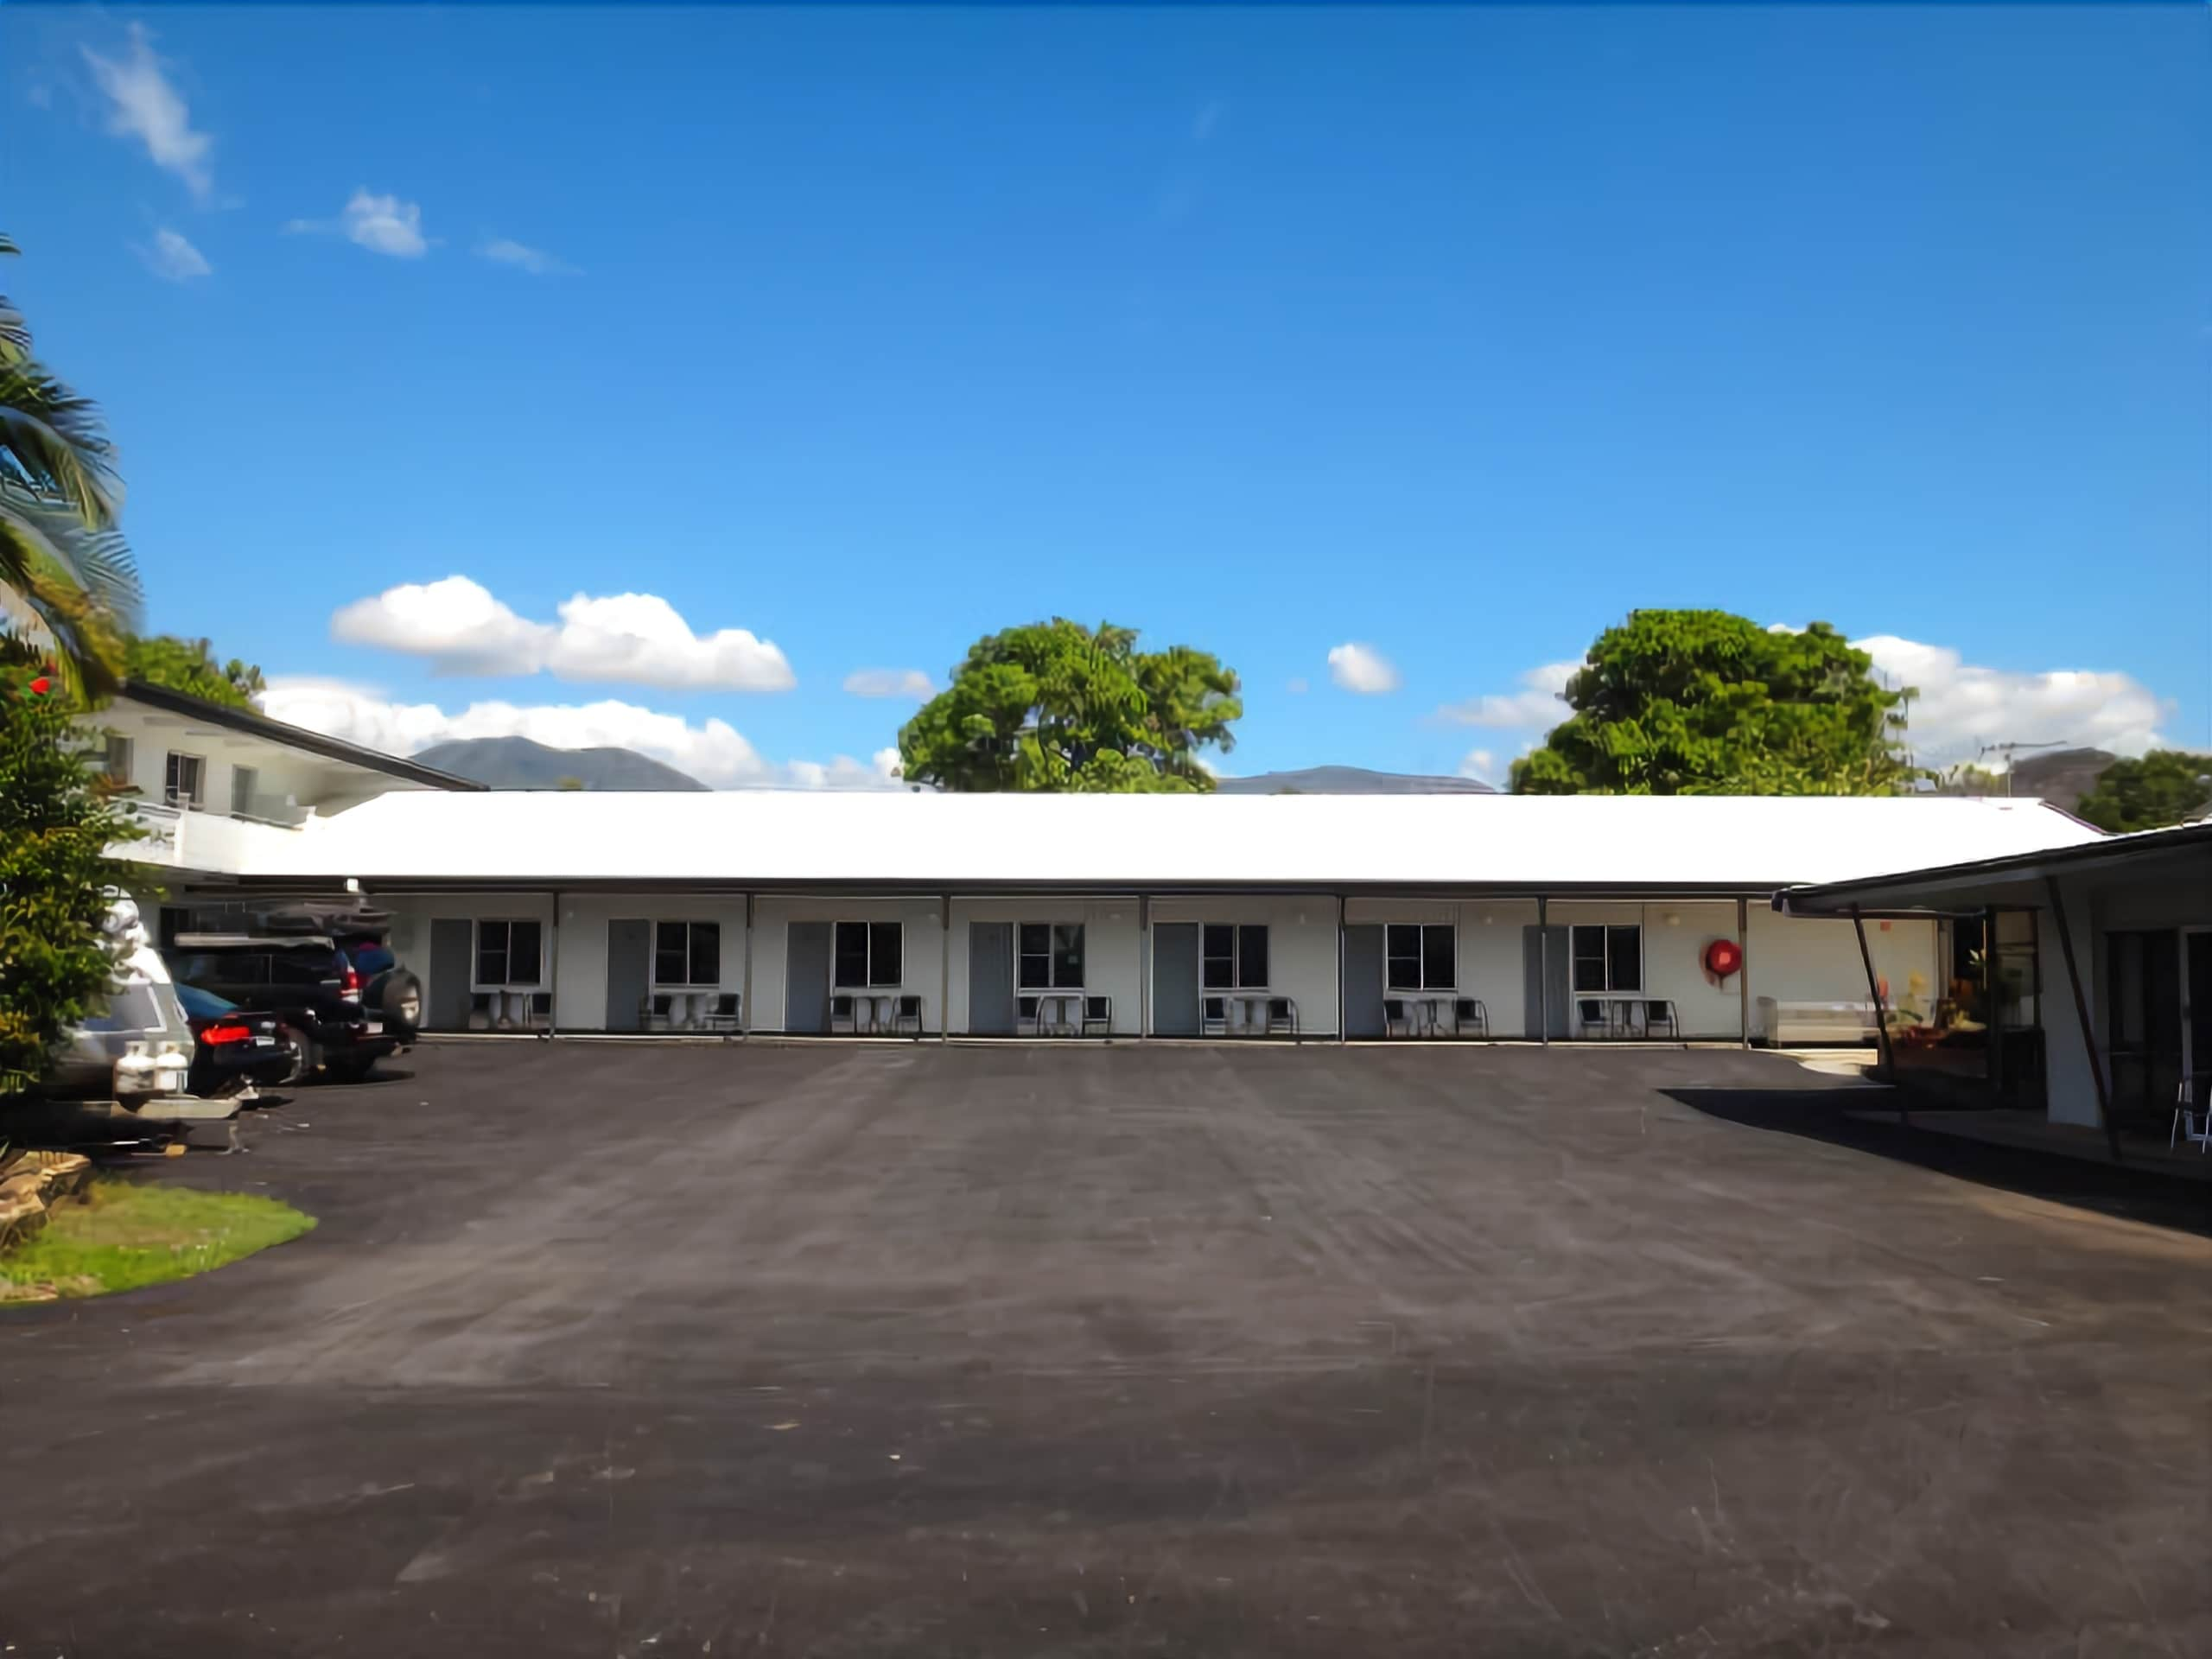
x: 189, y: 665
x: 1704, y: 702
x: 66, y: 574
x: 1056, y: 706
x: 56, y: 825
x: 2165, y: 786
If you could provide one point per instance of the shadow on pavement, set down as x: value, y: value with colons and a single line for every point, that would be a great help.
x: 2145, y: 1195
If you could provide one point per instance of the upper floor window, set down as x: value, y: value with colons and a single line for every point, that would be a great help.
x: 244, y: 782
x: 182, y: 779
x: 116, y: 767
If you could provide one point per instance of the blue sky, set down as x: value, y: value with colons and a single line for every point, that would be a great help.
x: 1448, y: 335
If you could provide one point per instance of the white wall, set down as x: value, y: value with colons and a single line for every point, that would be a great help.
x: 1801, y: 959
x: 1490, y: 950
x: 1301, y: 947
x: 581, y: 997
x: 410, y: 932
x: 923, y: 958
x: 1113, y: 954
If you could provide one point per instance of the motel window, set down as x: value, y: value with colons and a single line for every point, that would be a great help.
x: 688, y: 954
x: 508, y: 953
x: 1236, y: 956
x: 181, y: 780
x: 116, y: 765
x: 1051, y: 956
x: 1608, y: 958
x: 1423, y: 955
x: 868, y: 954
x: 243, y: 781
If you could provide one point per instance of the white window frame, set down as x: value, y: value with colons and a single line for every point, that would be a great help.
x: 1421, y: 958
x: 1237, y: 982
x: 1051, y: 957
x: 537, y: 983
x: 170, y: 769
x: 121, y: 754
x: 875, y: 984
x: 692, y: 982
x: 1604, y: 929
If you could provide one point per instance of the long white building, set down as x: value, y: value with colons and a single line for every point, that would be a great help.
x: 1135, y: 917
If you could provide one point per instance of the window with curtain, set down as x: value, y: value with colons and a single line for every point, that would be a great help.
x: 1234, y: 956
x: 509, y: 953
x: 1051, y: 956
x: 688, y: 954
x: 866, y: 955
x: 1421, y: 956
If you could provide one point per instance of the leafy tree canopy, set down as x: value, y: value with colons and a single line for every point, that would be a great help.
x: 2165, y: 786
x: 189, y: 665
x: 1704, y: 702
x: 56, y: 825
x: 1056, y: 706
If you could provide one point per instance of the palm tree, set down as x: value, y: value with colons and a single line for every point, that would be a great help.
x: 68, y: 586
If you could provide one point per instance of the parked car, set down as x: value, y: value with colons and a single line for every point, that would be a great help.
x: 389, y: 992
x: 306, y: 982
x: 234, y: 1048
x: 134, y: 1040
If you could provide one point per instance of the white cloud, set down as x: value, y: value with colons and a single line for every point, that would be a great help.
x: 633, y: 638
x: 1536, y: 703
x: 380, y: 224
x: 172, y: 257
x: 908, y: 683
x: 142, y: 104
x: 1362, y: 669
x: 1961, y: 706
x: 712, y: 751
x: 504, y: 250
x: 1479, y: 764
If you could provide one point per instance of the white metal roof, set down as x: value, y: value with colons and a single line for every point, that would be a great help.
x: 932, y: 843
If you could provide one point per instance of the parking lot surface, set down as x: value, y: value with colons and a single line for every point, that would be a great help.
x: 856, y: 1349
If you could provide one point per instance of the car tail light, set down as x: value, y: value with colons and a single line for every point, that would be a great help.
x: 351, y: 989
x: 226, y: 1031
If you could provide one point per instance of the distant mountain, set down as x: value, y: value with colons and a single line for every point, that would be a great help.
x: 518, y: 763
x: 1348, y: 780
x: 2062, y: 776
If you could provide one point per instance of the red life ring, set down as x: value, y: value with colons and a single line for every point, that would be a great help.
x: 1723, y: 957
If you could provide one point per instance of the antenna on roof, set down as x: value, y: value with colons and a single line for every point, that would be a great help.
x: 2008, y: 750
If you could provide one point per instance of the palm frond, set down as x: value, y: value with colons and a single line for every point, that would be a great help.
x: 54, y: 444
x: 43, y: 607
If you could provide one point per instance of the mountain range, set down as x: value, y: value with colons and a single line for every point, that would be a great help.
x: 519, y: 763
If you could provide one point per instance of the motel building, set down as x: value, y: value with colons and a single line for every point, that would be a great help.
x: 1447, y: 919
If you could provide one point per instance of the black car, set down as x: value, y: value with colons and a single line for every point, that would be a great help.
x: 306, y: 982
x: 233, y: 1048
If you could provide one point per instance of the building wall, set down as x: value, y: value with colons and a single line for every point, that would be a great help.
x: 410, y: 932
x: 1301, y: 947
x: 281, y: 772
x: 921, y: 961
x: 580, y: 1001
x: 1800, y: 959
x: 1113, y: 953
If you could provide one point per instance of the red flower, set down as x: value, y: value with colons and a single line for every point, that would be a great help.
x: 40, y: 686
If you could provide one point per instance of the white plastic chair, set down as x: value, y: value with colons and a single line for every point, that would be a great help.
x: 2190, y: 1123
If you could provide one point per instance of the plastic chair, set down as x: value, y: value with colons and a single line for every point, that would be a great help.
x: 906, y: 1015
x: 1098, y: 1016
x: 841, y: 1008
x: 1213, y: 1017
x: 722, y: 1015
x: 1397, y: 1019
x: 1282, y: 1017
x: 1469, y: 1014
x: 1658, y: 1014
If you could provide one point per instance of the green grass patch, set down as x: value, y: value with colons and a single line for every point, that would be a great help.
x: 118, y: 1235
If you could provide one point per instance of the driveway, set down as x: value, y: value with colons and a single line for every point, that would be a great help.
x: 854, y: 1350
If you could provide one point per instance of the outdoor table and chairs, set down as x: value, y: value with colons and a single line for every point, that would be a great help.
x: 712, y: 1012
x: 1248, y: 1013
x: 874, y: 1014
x: 1443, y: 1014
x: 1618, y: 1016
x: 1069, y: 1014
x: 2192, y: 1120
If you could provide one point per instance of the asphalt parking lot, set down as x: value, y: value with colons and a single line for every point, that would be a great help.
x: 869, y: 1349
